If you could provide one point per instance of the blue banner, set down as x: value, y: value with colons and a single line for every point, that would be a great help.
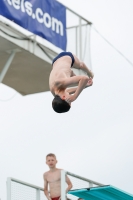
x: 46, y: 18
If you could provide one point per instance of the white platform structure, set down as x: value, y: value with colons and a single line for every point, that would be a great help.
x: 25, y: 58
x: 78, y: 182
x: 21, y: 190
x: 83, y: 188
x: 17, y: 189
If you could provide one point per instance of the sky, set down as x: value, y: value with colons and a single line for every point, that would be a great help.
x: 94, y: 139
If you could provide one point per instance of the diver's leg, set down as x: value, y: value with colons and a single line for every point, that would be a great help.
x: 81, y: 65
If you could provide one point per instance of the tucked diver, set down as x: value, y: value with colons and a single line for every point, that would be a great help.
x: 62, y: 77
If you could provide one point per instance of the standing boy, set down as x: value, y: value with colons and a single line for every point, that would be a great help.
x: 52, y: 178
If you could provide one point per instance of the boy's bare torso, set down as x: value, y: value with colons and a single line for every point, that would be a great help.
x: 61, y: 69
x: 53, y: 179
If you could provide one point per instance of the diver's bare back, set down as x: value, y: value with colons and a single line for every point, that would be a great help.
x: 61, y: 69
x: 54, y: 181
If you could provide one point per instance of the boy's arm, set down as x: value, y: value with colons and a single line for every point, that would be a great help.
x: 69, y: 184
x: 46, y: 187
x: 72, y: 90
x: 81, y: 81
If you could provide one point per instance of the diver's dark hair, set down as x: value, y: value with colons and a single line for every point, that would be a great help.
x: 60, y: 105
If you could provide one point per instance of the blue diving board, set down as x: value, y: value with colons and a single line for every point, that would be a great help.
x: 101, y: 193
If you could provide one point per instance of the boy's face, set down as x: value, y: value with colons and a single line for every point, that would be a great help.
x: 66, y: 96
x: 51, y: 161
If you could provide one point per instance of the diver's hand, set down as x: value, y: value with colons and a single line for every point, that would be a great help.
x: 90, y: 82
x: 70, y: 98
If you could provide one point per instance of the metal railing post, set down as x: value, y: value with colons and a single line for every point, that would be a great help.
x: 80, y: 38
x: 8, y: 186
x: 7, y: 65
x: 90, y: 184
x: 37, y: 194
x: 63, y: 188
x: 76, y: 41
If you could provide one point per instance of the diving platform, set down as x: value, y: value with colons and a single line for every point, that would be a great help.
x: 83, y: 189
x: 25, y: 56
x: 86, y: 189
x: 101, y: 193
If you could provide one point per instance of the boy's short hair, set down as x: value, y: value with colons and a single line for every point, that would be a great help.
x: 51, y: 154
x: 60, y: 105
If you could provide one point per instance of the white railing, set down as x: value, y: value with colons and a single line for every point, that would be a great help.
x: 78, y: 23
x: 21, y: 190
x: 78, y: 36
x: 78, y: 183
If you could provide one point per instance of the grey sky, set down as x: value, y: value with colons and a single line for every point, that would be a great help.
x: 95, y: 138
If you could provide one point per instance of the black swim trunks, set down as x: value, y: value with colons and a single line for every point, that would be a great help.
x: 64, y: 54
